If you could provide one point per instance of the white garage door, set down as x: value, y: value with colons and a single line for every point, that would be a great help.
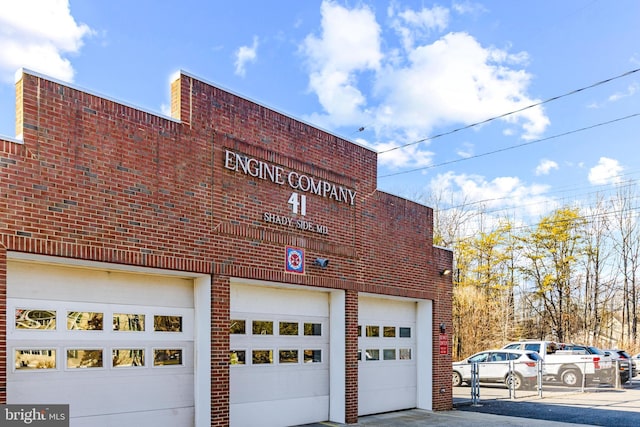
x: 279, y: 346
x: 117, y: 347
x: 387, y: 374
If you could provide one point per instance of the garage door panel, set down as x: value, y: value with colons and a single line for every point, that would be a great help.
x: 293, y: 302
x: 55, y: 282
x: 276, y: 385
x: 386, y: 309
x: 280, y: 413
x: 110, y: 361
x: 386, y: 377
x: 162, y: 418
x: 387, y: 369
x: 121, y: 395
x: 288, y: 390
x: 394, y: 399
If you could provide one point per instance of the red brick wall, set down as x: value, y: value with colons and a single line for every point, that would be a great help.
x: 102, y: 181
x: 442, y: 306
x: 351, y: 356
x: 220, y: 311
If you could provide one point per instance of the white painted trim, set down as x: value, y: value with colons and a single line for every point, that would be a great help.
x: 337, y: 352
x: 424, y: 347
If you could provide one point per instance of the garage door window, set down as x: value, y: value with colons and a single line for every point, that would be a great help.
x: 389, y: 331
x: 289, y: 328
x: 128, y: 322
x: 372, y: 354
x: 373, y: 331
x: 389, y: 354
x: 262, y: 357
x: 42, y: 359
x: 35, y: 319
x: 288, y: 356
x: 262, y: 327
x: 238, y: 327
x: 84, y: 321
x: 238, y: 357
x: 167, y: 357
x: 313, y: 329
x: 405, y: 354
x: 84, y: 358
x: 405, y: 332
x: 312, y: 356
x: 127, y: 357
x: 167, y: 323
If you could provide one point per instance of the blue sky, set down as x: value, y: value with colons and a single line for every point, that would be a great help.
x: 382, y: 74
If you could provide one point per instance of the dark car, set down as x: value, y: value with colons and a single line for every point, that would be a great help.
x: 625, y: 365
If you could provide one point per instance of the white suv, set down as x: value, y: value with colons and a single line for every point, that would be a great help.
x: 494, y: 367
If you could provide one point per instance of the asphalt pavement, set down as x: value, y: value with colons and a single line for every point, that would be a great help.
x: 600, y: 407
x: 607, y: 407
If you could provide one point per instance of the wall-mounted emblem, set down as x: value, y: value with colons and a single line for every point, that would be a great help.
x: 294, y: 260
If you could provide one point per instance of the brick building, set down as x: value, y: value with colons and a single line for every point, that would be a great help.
x: 226, y: 266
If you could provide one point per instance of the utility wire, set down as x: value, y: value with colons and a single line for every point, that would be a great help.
x: 513, y: 147
x: 506, y: 208
x: 573, y: 92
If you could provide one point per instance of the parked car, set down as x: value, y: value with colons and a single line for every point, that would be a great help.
x: 494, y: 367
x: 636, y: 364
x: 625, y: 365
x: 570, y: 364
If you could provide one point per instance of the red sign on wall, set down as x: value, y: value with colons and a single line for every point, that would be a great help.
x: 444, y: 344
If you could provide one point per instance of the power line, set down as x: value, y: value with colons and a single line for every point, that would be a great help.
x: 573, y: 92
x: 513, y: 147
x: 546, y: 194
x: 585, y: 218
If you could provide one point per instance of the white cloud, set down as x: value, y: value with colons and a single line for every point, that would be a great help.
x: 37, y: 34
x: 501, y: 193
x: 413, y: 26
x: 244, y: 55
x: 467, y: 7
x: 349, y: 44
x: 607, y: 171
x: 465, y: 151
x: 631, y: 90
x: 454, y: 80
x: 545, y: 166
x: 446, y: 80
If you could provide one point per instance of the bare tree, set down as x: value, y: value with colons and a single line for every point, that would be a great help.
x: 597, y: 283
x: 627, y: 245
